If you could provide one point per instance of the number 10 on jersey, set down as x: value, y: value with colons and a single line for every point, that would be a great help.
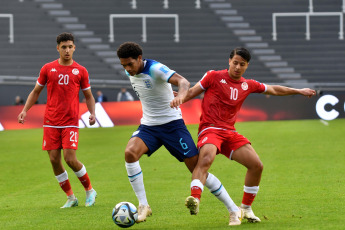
x: 233, y: 94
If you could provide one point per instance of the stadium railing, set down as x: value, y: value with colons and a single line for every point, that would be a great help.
x: 144, y: 17
x: 308, y: 15
x: 166, y: 4
x: 27, y: 80
x: 10, y: 17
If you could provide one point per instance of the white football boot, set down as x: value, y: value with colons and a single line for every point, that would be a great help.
x: 236, y: 217
x: 90, y: 198
x: 249, y: 215
x: 143, y: 212
x: 72, y: 201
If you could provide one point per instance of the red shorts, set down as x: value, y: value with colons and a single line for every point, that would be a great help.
x: 60, y: 138
x: 226, y: 141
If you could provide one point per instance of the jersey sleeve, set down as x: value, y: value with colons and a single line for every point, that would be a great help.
x: 85, y: 81
x: 206, y: 80
x: 161, y: 71
x: 258, y: 87
x: 42, y: 78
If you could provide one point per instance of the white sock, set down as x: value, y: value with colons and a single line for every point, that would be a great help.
x: 253, y: 189
x: 71, y: 197
x: 81, y: 172
x: 217, y: 189
x: 135, y: 176
x: 62, y: 177
x: 197, y: 183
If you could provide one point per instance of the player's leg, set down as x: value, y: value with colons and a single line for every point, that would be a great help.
x: 216, y: 188
x: 70, y: 145
x: 52, y: 143
x: 247, y: 156
x: 206, y: 157
x: 207, y: 154
x: 219, y: 191
x: 70, y: 156
x: 134, y: 150
x: 62, y: 177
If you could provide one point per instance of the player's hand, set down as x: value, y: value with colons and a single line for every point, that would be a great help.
x: 176, y: 102
x: 175, y: 93
x: 92, y: 119
x: 308, y: 92
x: 21, y: 117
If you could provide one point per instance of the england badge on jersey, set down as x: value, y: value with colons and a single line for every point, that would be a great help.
x: 75, y: 71
x: 148, y: 83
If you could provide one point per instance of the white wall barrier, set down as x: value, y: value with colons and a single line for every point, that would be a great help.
x: 307, y: 15
x: 133, y: 3
x: 11, y: 34
x: 144, y: 17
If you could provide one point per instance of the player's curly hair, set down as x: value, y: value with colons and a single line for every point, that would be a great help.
x: 243, y: 52
x: 64, y: 37
x: 129, y: 50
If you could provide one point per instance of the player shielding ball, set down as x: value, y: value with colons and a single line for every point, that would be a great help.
x: 161, y: 124
x: 64, y: 78
x: 225, y: 91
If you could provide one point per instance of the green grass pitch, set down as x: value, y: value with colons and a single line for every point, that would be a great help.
x: 302, y: 186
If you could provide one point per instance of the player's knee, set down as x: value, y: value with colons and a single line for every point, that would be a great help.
x: 205, y: 162
x: 259, y: 167
x: 54, y: 160
x: 70, y: 161
x: 131, y: 155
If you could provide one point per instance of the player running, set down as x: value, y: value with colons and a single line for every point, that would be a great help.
x: 161, y: 124
x: 225, y: 91
x: 64, y: 78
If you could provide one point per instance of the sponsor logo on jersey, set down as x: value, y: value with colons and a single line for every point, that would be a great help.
x: 164, y: 69
x: 223, y: 81
x: 73, y: 145
x: 244, y: 86
x: 75, y: 71
x: 53, y: 70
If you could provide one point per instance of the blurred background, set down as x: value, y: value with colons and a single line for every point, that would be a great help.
x: 297, y: 43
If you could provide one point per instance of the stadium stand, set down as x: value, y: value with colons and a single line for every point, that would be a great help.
x: 318, y: 60
x: 207, y: 35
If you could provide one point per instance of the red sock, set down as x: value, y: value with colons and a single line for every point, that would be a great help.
x: 85, y: 180
x: 196, y: 192
x: 248, y: 198
x: 66, y: 187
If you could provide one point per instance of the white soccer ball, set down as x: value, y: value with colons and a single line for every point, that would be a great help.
x: 125, y: 214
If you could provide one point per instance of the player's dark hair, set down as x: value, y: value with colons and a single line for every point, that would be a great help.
x: 129, y: 50
x: 64, y: 37
x: 243, y: 52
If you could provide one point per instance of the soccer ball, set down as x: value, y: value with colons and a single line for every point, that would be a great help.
x: 125, y: 214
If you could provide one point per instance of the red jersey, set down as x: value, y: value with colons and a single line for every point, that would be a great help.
x: 223, y: 98
x: 63, y: 85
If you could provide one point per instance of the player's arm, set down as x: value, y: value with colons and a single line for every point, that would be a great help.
x: 183, y: 86
x: 90, y: 103
x: 278, y: 90
x: 193, y: 92
x: 30, y: 101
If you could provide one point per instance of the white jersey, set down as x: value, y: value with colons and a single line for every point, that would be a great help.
x: 155, y: 93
